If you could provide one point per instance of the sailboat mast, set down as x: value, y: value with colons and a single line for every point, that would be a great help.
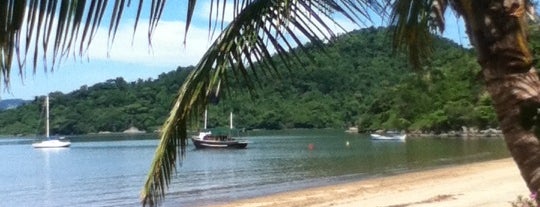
x: 231, y: 121
x: 47, y: 116
x: 205, y: 117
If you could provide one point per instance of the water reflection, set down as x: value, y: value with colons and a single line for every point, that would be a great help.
x: 48, y: 156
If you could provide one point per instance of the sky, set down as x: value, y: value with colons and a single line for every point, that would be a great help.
x: 139, y: 61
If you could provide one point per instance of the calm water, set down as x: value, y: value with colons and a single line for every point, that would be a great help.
x: 95, y: 172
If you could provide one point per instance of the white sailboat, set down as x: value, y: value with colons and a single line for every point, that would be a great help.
x: 49, y: 143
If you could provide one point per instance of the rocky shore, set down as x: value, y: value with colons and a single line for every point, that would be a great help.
x: 466, y: 132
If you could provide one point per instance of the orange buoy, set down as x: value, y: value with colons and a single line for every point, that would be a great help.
x: 310, y: 146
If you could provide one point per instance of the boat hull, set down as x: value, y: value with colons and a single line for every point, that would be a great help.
x: 234, y: 144
x: 51, y: 144
x: 392, y: 137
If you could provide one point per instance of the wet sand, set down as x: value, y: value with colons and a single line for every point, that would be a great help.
x: 491, y: 183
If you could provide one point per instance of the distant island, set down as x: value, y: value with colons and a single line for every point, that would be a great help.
x: 11, y: 103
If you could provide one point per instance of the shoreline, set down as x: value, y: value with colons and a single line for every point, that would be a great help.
x: 489, y: 183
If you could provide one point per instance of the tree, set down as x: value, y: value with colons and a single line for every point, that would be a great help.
x: 497, y: 30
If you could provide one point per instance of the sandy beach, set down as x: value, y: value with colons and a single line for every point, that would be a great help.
x: 491, y: 183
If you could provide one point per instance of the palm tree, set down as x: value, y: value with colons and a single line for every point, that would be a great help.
x: 497, y: 30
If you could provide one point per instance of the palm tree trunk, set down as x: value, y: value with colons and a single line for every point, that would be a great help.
x: 516, y: 102
x: 497, y: 30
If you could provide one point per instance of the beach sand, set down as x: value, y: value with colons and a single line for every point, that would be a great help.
x: 491, y: 183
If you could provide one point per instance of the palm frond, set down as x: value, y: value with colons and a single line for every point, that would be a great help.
x: 438, y: 8
x: 531, y: 11
x: 244, y: 46
x: 413, y: 22
x: 37, y: 28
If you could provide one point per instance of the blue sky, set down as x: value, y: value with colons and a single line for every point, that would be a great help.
x: 138, y: 60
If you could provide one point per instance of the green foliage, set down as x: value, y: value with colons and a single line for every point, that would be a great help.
x: 113, y: 106
x: 357, y: 80
x: 534, y: 42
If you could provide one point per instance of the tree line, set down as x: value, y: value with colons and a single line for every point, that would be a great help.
x: 353, y: 80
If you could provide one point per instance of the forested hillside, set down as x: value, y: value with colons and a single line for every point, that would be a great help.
x: 359, y: 81
x: 113, y: 105
x: 355, y: 80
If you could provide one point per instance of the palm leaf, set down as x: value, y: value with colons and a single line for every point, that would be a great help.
x: 57, y: 27
x: 411, y: 33
x: 257, y: 26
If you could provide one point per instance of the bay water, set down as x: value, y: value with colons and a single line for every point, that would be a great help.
x: 110, y: 171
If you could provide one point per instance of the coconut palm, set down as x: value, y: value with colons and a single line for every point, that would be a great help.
x: 497, y: 29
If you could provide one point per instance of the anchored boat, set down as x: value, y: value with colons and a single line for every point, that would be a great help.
x: 206, y: 139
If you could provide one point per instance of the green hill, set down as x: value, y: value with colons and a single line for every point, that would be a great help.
x: 356, y: 80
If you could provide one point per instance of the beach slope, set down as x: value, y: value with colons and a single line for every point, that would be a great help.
x: 491, y: 183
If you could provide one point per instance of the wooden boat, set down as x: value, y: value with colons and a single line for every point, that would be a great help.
x: 206, y: 139
x: 388, y: 136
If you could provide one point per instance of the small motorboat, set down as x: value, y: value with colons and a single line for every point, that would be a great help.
x: 388, y: 136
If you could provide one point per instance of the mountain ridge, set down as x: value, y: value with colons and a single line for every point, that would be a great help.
x: 7, y: 104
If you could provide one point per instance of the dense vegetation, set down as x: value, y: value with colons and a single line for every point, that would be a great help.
x: 113, y: 106
x: 354, y: 80
x: 358, y: 80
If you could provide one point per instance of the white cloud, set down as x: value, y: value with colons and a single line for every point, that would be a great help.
x: 167, y: 45
x: 207, y: 6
